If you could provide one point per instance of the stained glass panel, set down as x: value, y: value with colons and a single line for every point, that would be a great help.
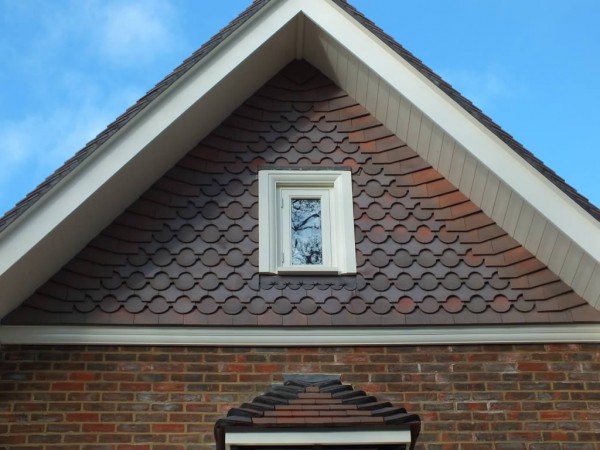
x: 307, y: 237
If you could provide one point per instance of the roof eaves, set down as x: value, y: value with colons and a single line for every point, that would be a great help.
x: 468, y: 106
x: 72, y: 163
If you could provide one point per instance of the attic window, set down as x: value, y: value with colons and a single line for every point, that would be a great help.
x: 306, y: 222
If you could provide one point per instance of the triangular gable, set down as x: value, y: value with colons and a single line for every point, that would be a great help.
x: 378, y: 74
x: 186, y: 252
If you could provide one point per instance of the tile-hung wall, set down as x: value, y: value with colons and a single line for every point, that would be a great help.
x: 186, y: 253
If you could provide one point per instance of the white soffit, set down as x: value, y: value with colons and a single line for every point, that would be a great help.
x: 486, y: 147
x: 310, y: 336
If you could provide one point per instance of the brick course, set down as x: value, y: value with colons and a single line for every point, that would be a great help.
x: 501, y: 397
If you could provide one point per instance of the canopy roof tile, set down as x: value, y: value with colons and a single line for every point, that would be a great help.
x: 316, y: 402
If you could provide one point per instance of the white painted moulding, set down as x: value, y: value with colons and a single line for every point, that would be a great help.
x: 278, y: 438
x: 310, y: 336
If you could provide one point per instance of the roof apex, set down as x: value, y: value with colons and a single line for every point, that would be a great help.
x: 238, y: 60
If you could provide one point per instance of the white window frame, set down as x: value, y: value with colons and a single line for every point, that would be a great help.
x: 287, y: 195
x: 334, y: 187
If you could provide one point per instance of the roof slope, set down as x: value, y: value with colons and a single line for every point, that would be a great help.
x: 92, y: 146
x: 11, y: 215
x: 472, y: 109
x: 186, y: 253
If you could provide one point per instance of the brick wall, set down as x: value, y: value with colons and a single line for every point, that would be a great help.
x: 529, y: 397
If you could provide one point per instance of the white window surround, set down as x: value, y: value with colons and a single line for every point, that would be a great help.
x: 335, y: 186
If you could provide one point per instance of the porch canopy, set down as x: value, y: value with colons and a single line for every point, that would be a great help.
x: 309, y: 411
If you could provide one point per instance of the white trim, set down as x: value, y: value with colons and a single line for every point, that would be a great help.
x: 321, y: 437
x: 309, y: 336
x: 342, y: 250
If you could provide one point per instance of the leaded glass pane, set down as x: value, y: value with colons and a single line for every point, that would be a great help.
x: 307, y: 238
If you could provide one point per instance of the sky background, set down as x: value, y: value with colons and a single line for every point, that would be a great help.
x: 69, y: 68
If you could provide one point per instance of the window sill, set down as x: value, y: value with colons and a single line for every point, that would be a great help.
x: 308, y: 270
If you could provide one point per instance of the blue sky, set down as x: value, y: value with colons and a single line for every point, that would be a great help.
x: 70, y: 67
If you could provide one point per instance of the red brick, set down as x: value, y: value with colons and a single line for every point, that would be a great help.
x: 169, y: 387
x: 532, y: 366
x: 98, y: 427
x: 83, y: 376
x: 168, y: 428
x: 68, y: 386
x: 437, y: 382
x: 136, y: 387
x: 82, y: 417
x: 269, y: 368
x: 556, y: 415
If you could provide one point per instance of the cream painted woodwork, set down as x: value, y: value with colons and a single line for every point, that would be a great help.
x: 584, y: 274
x: 304, y: 336
x: 536, y: 231
x: 511, y: 216
x: 592, y: 290
x: 547, y: 242
x: 557, y: 257
x: 501, y: 202
x: 571, y: 263
x: 524, y: 223
x: 467, y: 175
x: 457, y: 164
x: 490, y: 193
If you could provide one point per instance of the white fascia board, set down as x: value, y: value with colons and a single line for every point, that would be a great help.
x: 321, y: 437
x: 52, y: 230
x: 550, y: 201
x: 289, y: 337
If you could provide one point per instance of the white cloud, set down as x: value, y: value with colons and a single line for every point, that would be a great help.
x: 40, y: 143
x: 482, y: 87
x: 120, y: 32
x: 133, y: 32
x: 73, y: 65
